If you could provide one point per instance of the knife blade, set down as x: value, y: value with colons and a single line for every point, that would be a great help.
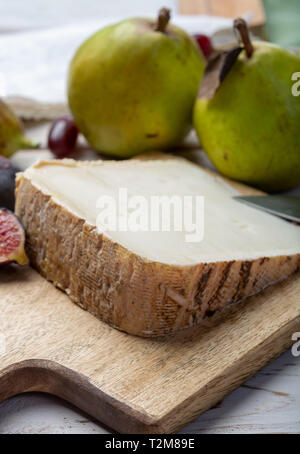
x: 284, y: 206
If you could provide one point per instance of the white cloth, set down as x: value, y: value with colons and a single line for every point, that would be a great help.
x: 34, y: 63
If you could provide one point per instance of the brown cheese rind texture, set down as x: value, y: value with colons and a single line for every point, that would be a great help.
x: 124, y: 290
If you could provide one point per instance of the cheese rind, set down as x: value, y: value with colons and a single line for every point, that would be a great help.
x: 142, y: 290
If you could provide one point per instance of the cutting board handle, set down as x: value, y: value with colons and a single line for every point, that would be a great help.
x: 52, y: 378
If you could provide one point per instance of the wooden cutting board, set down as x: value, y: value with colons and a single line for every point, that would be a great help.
x: 131, y: 384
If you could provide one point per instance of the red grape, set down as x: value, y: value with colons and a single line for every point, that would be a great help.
x: 205, y: 44
x: 62, y: 137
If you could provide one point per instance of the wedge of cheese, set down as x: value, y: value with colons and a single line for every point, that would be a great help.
x: 149, y: 283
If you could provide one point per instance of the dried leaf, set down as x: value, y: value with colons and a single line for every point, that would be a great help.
x: 216, y: 71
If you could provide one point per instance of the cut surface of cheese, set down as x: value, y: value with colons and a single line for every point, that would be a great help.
x: 149, y: 283
x: 232, y: 231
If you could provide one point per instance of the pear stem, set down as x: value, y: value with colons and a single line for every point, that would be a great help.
x: 164, y: 16
x: 241, y: 26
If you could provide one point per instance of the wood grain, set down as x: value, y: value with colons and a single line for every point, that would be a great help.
x: 225, y: 8
x: 132, y: 384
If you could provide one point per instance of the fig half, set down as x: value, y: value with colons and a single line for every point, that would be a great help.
x: 12, y: 239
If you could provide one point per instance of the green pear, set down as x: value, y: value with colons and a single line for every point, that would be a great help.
x: 11, y: 132
x: 132, y: 86
x: 250, y: 128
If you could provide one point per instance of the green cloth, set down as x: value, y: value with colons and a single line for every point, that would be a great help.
x: 283, y: 21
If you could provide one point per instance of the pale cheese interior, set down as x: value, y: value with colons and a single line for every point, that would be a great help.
x: 232, y: 230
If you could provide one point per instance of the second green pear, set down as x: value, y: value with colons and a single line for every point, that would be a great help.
x: 251, y: 127
x: 12, y: 136
x: 132, y: 88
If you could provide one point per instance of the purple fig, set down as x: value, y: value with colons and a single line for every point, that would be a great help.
x: 12, y: 239
x: 7, y: 183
